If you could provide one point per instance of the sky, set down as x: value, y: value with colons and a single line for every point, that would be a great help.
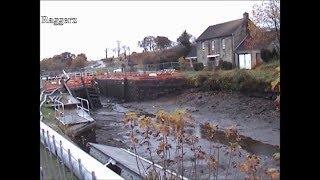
x: 100, y: 24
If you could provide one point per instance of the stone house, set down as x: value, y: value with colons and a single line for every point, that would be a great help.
x: 225, y: 41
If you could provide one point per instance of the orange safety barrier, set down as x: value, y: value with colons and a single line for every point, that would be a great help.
x: 75, y: 82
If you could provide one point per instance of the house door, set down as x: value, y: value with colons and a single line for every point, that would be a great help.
x: 245, y: 61
x: 241, y: 61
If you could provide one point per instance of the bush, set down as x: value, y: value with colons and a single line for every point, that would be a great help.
x: 198, y: 66
x: 275, y: 54
x: 226, y: 65
x: 251, y: 85
x: 226, y: 83
x: 201, y: 79
x: 268, y: 55
x: 239, y: 77
x: 210, y: 66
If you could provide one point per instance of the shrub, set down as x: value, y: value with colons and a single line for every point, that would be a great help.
x: 210, y: 66
x: 239, y: 77
x: 275, y: 54
x: 173, y: 125
x: 252, y: 85
x: 219, y: 65
x: 198, y: 66
x: 225, y: 83
x: 268, y: 55
x: 201, y: 79
x: 226, y: 65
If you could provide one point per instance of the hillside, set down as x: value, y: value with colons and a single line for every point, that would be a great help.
x: 149, y: 57
x: 66, y: 61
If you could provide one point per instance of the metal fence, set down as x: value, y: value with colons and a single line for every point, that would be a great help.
x: 51, y: 166
x: 51, y: 170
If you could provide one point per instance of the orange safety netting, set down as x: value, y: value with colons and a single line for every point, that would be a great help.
x: 75, y: 82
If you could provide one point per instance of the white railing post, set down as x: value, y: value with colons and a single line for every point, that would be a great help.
x: 62, y: 159
x: 80, y: 169
x: 70, y: 162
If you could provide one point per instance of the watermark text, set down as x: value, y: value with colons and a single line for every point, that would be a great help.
x: 58, y: 21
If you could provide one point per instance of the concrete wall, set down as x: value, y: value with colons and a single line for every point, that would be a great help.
x: 153, y: 88
x: 112, y: 87
x: 137, y: 90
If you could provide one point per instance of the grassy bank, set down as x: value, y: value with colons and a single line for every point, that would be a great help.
x: 255, y: 80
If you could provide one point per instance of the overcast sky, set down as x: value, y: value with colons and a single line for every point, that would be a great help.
x: 100, y: 24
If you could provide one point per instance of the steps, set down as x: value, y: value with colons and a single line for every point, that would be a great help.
x: 92, y: 95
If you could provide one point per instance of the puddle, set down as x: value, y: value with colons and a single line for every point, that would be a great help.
x: 116, y: 107
x: 147, y: 115
x: 248, y: 144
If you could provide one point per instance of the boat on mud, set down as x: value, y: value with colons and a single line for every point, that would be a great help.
x: 127, y: 164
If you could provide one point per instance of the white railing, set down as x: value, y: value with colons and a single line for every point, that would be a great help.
x: 58, y: 110
x: 79, y: 162
x: 44, y: 98
x: 81, y: 106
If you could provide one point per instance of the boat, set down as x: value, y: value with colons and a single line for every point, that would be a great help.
x: 126, y: 163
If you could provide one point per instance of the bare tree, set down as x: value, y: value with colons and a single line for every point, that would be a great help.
x: 124, y: 47
x: 118, y: 45
x: 106, y: 50
x: 266, y: 19
x: 114, y: 50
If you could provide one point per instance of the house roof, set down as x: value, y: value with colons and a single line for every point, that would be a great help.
x: 248, y: 44
x: 220, y: 30
x: 192, y: 53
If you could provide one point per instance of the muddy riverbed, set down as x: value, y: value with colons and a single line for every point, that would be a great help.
x: 257, y: 121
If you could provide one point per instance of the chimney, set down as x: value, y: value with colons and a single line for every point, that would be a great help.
x: 245, y: 15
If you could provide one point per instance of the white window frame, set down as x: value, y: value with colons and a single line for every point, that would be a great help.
x: 202, y: 45
x: 212, y: 45
x: 223, y: 42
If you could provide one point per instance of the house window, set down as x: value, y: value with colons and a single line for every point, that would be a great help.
x: 212, y: 44
x: 223, y: 43
x: 202, y: 45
